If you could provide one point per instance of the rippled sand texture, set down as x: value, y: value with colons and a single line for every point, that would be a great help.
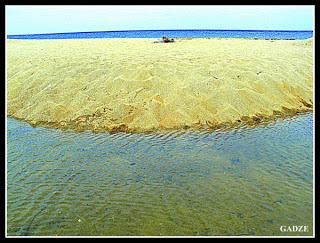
x: 139, y: 85
x: 241, y: 182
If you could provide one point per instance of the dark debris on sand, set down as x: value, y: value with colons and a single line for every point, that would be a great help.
x: 165, y: 40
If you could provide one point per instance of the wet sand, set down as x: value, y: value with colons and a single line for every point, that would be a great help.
x: 136, y: 85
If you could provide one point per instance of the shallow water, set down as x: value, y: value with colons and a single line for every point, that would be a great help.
x: 248, y: 181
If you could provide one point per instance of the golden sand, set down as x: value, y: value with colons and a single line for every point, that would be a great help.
x: 138, y: 85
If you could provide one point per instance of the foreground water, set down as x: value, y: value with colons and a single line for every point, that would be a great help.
x: 248, y: 181
x: 259, y: 34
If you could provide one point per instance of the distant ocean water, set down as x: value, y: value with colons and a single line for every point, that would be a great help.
x: 260, y: 34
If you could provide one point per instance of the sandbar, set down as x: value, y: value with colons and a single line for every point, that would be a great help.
x: 139, y: 85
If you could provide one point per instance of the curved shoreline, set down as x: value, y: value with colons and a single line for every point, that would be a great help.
x: 136, y: 85
x: 253, y: 122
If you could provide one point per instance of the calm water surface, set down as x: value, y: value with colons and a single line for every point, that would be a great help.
x: 260, y: 34
x: 248, y: 181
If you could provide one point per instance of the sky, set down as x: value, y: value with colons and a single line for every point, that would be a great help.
x: 61, y: 19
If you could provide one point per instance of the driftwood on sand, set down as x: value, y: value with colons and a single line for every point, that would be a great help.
x: 165, y: 40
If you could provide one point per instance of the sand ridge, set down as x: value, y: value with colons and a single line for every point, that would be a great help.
x: 136, y: 85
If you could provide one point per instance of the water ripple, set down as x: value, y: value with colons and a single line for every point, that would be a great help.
x: 245, y: 181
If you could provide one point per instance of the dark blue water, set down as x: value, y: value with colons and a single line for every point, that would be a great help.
x: 260, y: 34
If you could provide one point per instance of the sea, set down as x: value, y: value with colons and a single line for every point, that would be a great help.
x: 258, y: 34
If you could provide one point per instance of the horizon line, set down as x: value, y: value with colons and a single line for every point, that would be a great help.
x: 158, y: 30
